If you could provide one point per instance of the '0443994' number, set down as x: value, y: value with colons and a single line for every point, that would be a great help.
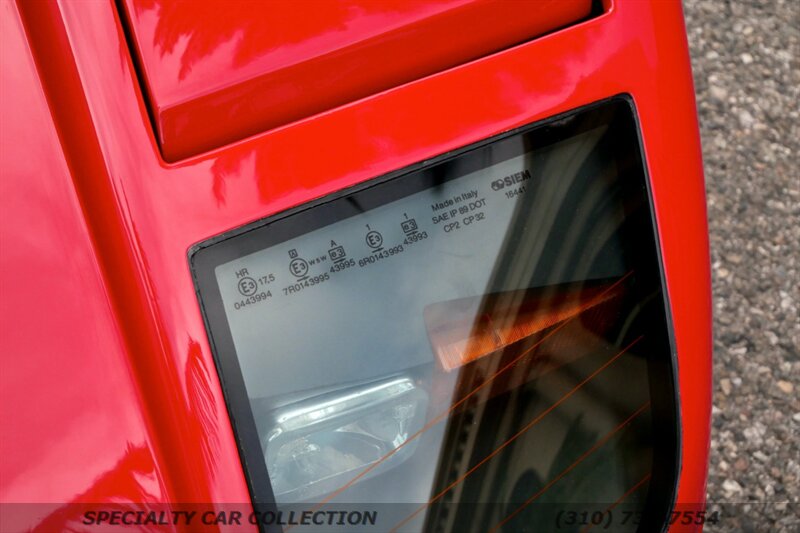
x: 254, y: 299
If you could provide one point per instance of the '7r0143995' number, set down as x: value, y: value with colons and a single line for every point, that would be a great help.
x: 304, y: 284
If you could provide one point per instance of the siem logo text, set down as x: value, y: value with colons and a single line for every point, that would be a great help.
x: 510, y: 180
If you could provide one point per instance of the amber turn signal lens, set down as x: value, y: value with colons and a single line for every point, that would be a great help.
x: 464, y: 330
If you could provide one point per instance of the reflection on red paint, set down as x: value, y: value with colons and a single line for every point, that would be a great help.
x: 121, y: 486
x: 247, y: 67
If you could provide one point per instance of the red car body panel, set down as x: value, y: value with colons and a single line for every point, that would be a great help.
x: 109, y: 388
x: 251, y: 66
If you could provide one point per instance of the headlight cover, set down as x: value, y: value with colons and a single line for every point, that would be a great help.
x: 316, y: 444
x: 476, y: 343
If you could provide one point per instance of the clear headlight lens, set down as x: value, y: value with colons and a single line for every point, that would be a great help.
x: 319, y: 444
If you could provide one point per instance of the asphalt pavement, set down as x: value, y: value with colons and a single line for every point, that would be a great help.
x: 747, y: 78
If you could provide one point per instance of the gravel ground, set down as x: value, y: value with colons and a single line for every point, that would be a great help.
x: 747, y: 76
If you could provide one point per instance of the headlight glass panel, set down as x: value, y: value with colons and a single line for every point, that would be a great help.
x: 475, y: 343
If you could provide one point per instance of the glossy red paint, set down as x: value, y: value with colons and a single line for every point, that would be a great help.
x: 105, y: 357
x: 251, y: 66
x: 74, y: 421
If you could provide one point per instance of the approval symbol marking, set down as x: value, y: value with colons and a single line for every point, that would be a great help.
x: 337, y: 253
x: 247, y: 286
x: 297, y: 266
x: 409, y: 226
x: 374, y: 240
